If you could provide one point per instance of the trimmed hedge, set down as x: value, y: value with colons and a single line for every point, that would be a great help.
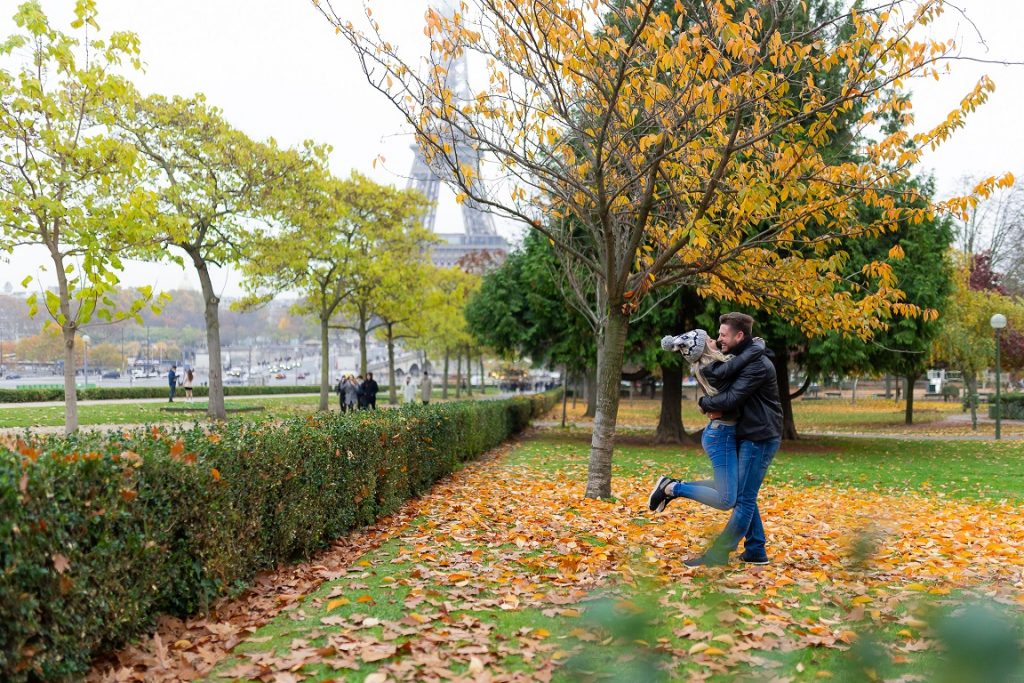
x: 99, y: 533
x: 1013, y: 407
x: 107, y: 393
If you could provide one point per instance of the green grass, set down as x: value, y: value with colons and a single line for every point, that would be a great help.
x: 143, y: 413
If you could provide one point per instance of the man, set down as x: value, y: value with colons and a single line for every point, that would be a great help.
x: 755, y: 392
x: 425, y: 388
x: 360, y: 392
x: 370, y: 389
x: 172, y: 381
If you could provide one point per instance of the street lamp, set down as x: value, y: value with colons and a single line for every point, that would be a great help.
x: 998, y: 322
x: 85, y: 341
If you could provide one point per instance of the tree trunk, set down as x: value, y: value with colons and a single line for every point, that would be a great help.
x: 590, y: 388
x: 325, y: 363
x: 444, y: 383
x: 362, y: 343
x: 670, y: 421
x: 888, y: 387
x: 70, y: 391
x: 469, y: 371
x: 971, y: 381
x: 575, y: 391
x: 781, y: 363
x: 609, y: 374
x: 215, y: 406
x: 458, y: 372
x: 909, y: 415
x: 565, y: 393
x: 392, y: 389
x: 483, y: 382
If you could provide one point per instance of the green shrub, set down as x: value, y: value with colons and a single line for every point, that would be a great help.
x: 100, y: 532
x: 1013, y: 407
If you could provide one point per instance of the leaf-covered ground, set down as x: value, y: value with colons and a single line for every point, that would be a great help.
x: 505, y: 572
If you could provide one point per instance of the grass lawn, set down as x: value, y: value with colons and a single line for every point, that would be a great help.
x: 825, y: 415
x: 509, y: 571
x: 142, y: 413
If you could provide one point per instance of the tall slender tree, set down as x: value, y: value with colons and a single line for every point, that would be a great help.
x: 66, y: 184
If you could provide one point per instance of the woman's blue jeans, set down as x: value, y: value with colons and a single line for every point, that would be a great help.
x: 719, y: 443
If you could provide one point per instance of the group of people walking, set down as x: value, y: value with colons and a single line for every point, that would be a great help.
x: 744, y: 431
x: 356, y: 393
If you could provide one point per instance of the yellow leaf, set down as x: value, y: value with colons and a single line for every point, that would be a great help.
x: 336, y: 603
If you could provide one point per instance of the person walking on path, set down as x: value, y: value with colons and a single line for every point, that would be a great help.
x: 370, y: 389
x: 172, y: 381
x: 189, y: 376
x: 361, y: 392
x: 426, y: 386
x: 755, y: 392
x: 339, y: 389
x: 408, y: 390
x: 714, y: 372
x: 351, y: 394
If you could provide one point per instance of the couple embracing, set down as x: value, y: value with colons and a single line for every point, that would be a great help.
x: 741, y: 398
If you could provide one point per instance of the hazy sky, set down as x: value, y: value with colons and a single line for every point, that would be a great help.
x: 277, y: 69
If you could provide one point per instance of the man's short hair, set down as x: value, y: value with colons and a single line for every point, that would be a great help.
x: 740, y: 322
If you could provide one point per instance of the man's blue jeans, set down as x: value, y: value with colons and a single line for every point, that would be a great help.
x: 171, y: 397
x: 719, y: 443
x: 745, y: 521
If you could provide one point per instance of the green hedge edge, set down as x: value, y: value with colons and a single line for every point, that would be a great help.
x: 102, y: 532
x: 1013, y: 407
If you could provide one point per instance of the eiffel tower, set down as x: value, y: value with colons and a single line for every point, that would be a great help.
x: 479, y: 234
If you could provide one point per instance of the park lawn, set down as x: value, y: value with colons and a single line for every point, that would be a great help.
x: 509, y: 569
x: 825, y: 415
x: 146, y: 413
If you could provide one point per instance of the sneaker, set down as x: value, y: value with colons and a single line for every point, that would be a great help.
x: 658, y: 499
x: 751, y: 558
x: 706, y: 560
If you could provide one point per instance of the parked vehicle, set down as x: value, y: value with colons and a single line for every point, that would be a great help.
x: 111, y: 374
x: 280, y: 375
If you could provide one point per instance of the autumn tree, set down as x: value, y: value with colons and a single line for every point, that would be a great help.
x: 390, y: 242
x: 214, y: 186
x: 66, y: 183
x: 441, y: 327
x: 687, y: 151
x: 965, y: 340
x: 312, y: 253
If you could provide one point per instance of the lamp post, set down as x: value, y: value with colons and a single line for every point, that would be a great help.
x: 85, y: 341
x: 998, y: 322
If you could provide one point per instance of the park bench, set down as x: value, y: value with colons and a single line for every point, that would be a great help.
x: 834, y: 394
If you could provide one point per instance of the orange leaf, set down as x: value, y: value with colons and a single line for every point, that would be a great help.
x: 177, y: 448
x: 216, y: 473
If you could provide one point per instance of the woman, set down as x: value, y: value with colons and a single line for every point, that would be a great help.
x: 351, y: 394
x: 409, y: 390
x: 188, y: 384
x: 714, y: 372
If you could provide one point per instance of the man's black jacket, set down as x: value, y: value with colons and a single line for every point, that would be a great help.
x: 755, y: 393
x: 370, y: 388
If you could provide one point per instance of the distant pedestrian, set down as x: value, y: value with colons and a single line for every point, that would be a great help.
x: 351, y: 394
x: 426, y: 386
x: 409, y: 390
x: 172, y: 381
x: 360, y: 392
x: 339, y: 389
x: 189, y: 376
x: 370, y: 389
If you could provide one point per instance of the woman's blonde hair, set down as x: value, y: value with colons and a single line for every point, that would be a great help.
x: 709, y: 355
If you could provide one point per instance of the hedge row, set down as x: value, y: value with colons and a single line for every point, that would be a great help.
x: 1013, y: 407
x: 99, y: 533
x: 106, y: 393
